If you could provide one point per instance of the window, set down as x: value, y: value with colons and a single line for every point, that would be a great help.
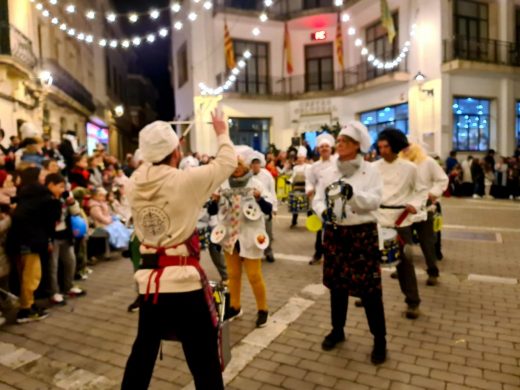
x: 471, y: 123
x: 518, y: 27
x: 518, y: 123
x: 310, y: 4
x: 391, y: 116
x: 319, y: 67
x: 377, y: 42
x: 471, y: 19
x: 182, y: 65
x: 250, y: 131
x: 255, y: 76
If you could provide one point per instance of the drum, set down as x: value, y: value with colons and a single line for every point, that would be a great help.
x: 390, y: 252
x: 204, y: 234
x: 298, y: 202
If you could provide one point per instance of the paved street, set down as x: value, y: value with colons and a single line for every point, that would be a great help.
x: 468, y: 336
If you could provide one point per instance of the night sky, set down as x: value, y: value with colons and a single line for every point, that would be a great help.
x: 153, y: 59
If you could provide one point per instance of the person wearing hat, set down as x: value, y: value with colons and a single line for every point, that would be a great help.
x: 176, y: 299
x: 325, y: 144
x: 347, y: 198
x: 257, y: 164
x: 297, y: 181
x: 404, y: 197
x: 243, y: 204
x: 435, y: 179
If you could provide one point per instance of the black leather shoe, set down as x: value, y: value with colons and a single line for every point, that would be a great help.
x: 358, y: 303
x: 379, y: 351
x: 331, y: 340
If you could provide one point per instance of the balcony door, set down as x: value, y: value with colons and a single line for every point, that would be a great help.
x: 319, y: 67
x: 471, y: 30
x: 310, y: 4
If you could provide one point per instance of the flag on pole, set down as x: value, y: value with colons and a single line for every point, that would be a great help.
x: 339, y: 43
x: 287, y: 50
x: 387, y: 20
x: 228, y: 48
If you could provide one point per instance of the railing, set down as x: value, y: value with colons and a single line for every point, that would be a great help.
x: 292, y: 86
x: 281, y: 9
x: 15, y: 44
x: 68, y: 84
x: 481, y: 50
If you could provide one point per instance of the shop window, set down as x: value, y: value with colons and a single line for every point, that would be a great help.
x: 471, y: 130
x: 391, y: 116
x: 250, y: 131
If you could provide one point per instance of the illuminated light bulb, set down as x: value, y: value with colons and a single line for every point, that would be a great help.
x: 376, y: 62
x: 150, y: 38
x: 136, y: 41
x: 247, y: 54
x: 81, y: 37
x: 111, y: 17
x: 154, y: 14
x: 176, y: 7
x: 71, y: 8
x: 133, y: 18
x: 241, y: 63
x: 232, y: 78
x: 219, y: 90
x: 91, y: 14
x: 192, y: 16
x: 405, y: 49
x: 380, y: 65
x: 407, y: 43
x: 370, y: 58
x: 208, y: 5
x: 89, y: 38
x: 63, y: 27
x: 102, y: 42
x: 256, y: 31
x: 45, y: 13
x: 55, y: 21
x: 235, y: 71
x: 196, y: 1
x: 53, y: 2
x: 358, y: 42
x: 178, y: 25
x: 345, y: 17
x: 351, y: 31
x: 364, y: 51
x: 113, y: 43
x: 125, y: 44
x: 163, y: 32
x: 39, y: 6
x: 263, y: 17
x: 268, y: 3
x: 71, y: 32
x: 338, y: 3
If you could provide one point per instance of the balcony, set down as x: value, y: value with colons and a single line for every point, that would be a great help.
x: 17, y: 46
x: 280, y: 10
x: 348, y: 81
x: 489, y: 51
x: 64, y: 81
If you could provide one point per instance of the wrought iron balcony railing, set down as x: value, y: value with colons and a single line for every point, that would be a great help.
x: 15, y: 44
x: 281, y: 9
x: 491, y: 51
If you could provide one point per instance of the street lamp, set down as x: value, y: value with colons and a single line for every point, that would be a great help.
x: 45, y: 78
x: 119, y: 111
x: 420, y: 79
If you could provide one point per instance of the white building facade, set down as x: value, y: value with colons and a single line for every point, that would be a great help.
x: 467, y: 51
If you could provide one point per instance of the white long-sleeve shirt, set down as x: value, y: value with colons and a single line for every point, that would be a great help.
x: 367, y: 189
x: 315, y: 173
x: 401, y: 187
x: 267, y: 181
x: 432, y: 176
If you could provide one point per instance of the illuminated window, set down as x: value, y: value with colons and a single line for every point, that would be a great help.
x: 471, y: 123
x: 518, y: 122
x: 391, y: 116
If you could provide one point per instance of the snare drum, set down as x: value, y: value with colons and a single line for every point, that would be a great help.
x: 204, y: 234
x: 298, y: 202
x: 390, y: 252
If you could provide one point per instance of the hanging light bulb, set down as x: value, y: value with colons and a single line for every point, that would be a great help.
x: 345, y: 17
x: 71, y: 32
x: 89, y: 38
x: 133, y: 18
x: 163, y: 32
x: 338, y: 3
x: 176, y: 7
x: 53, y: 2
x: 102, y: 42
x: 81, y: 37
x: 178, y: 25
x: 111, y: 17
x: 256, y: 31
x: 63, y: 27
x: 71, y: 8
x: 192, y: 16
x: 268, y: 3
x: 351, y: 31
x: 263, y: 17
x: 55, y: 21
x: 125, y: 44
x: 358, y: 42
x: 241, y: 64
x: 247, y: 54
x: 91, y: 14
x: 39, y: 6
x: 364, y: 51
x: 154, y: 14
x: 208, y: 5
x: 45, y: 13
x: 150, y: 38
x: 113, y: 43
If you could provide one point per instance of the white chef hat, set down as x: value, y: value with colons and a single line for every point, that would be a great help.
x: 29, y: 130
x: 302, y: 151
x: 244, y: 152
x: 188, y: 162
x: 325, y: 138
x: 156, y: 141
x: 257, y: 156
x: 358, y: 132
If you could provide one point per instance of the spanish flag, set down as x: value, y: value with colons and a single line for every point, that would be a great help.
x: 339, y: 43
x: 228, y: 48
x: 287, y: 50
x: 387, y: 20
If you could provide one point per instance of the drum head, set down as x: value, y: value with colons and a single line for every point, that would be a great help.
x: 334, y: 190
x: 388, y: 234
x: 252, y: 210
x: 261, y: 239
x: 313, y: 223
x: 218, y: 234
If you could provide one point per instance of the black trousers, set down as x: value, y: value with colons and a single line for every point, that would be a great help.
x: 318, y: 245
x: 374, y: 311
x: 188, y: 316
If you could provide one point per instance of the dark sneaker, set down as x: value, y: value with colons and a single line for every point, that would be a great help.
x: 75, y: 292
x: 412, y: 312
x: 269, y: 259
x: 331, y: 340
x: 432, y: 281
x: 393, y: 275
x: 30, y: 315
x: 233, y: 314
x: 261, y: 319
x: 378, y: 355
x: 134, y: 306
x: 358, y: 303
x: 58, y: 300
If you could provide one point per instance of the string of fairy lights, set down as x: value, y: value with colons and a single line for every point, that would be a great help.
x: 179, y: 21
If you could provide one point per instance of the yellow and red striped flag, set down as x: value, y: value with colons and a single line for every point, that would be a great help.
x: 387, y: 20
x: 228, y: 48
x: 287, y: 50
x: 339, y: 43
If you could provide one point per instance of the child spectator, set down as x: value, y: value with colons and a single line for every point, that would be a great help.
x: 79, y: 175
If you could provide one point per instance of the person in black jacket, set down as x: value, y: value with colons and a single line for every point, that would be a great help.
x: 33, y: 223
x: 68, y: 148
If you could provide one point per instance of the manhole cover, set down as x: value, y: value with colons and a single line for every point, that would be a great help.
x: 470, y: 236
